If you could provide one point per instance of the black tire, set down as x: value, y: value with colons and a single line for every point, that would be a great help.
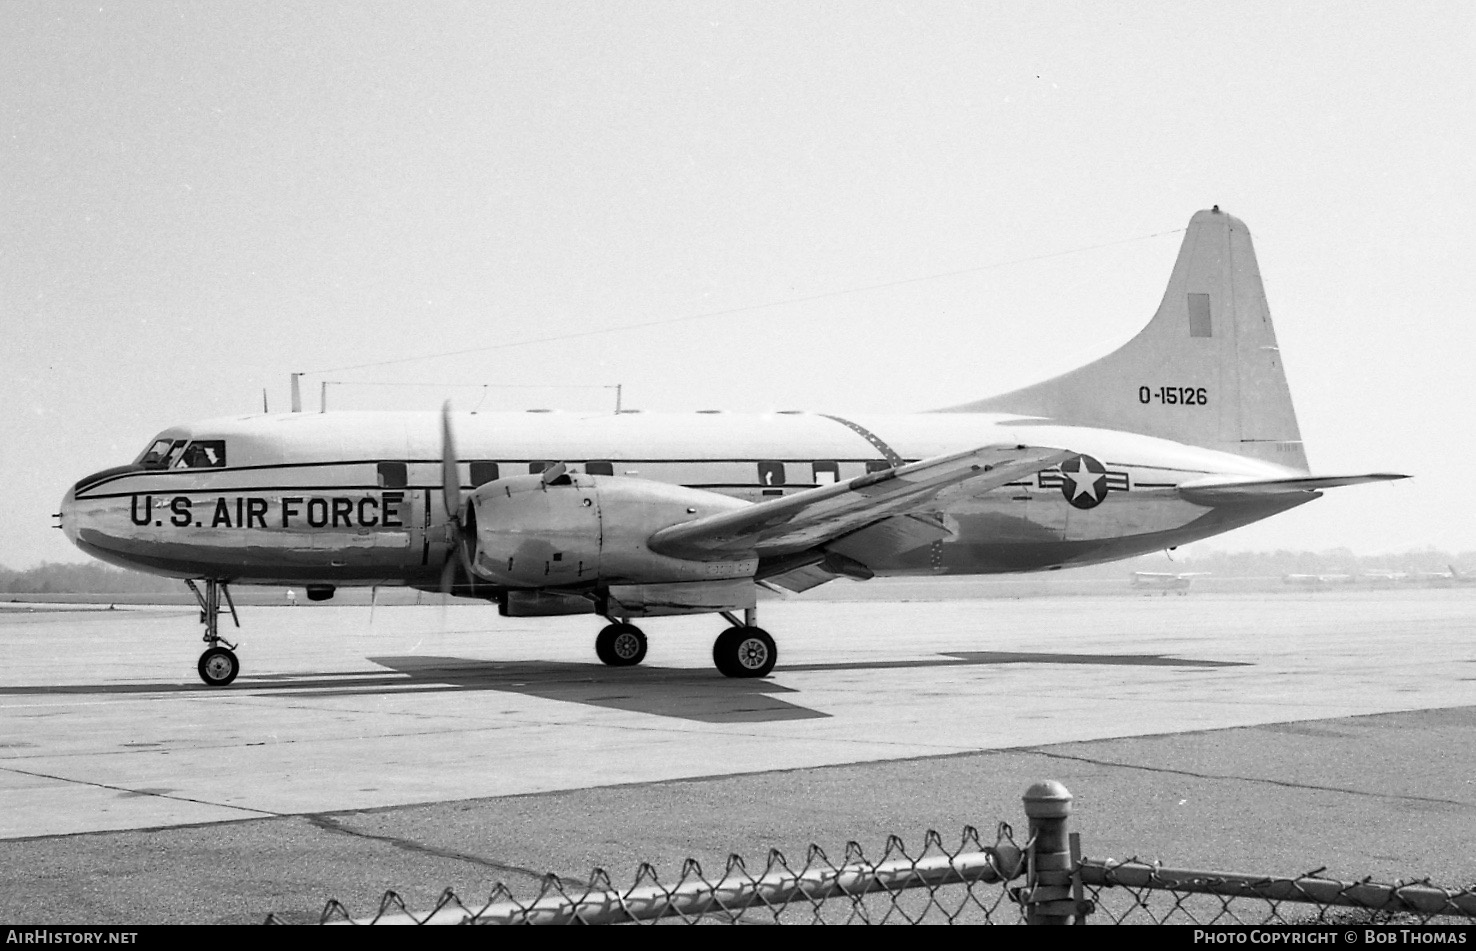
x: 218, y: 667
x: 744, y: 652
x: 621, y: 645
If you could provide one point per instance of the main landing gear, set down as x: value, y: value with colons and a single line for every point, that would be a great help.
x: 218, y: 665
x: 621, y: 645
x: 743, y: 650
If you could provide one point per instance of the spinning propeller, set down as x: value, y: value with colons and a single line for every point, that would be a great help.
x: 451, y: 497
x: 459, y: 514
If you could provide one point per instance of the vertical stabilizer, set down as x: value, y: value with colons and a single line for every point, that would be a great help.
x: 1205, y: 371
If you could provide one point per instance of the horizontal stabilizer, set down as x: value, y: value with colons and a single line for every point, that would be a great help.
x: 1218, y: 490
x: 806, y: 519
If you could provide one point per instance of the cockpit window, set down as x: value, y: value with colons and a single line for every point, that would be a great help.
x: 200, y: 454
x: 154, y: 457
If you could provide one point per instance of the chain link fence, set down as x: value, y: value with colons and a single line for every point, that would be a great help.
x: 1042, y: 880
x: 936, y: 885
x: 1135, y: 892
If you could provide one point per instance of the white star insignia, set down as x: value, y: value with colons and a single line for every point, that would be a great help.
x: 1085, y: 480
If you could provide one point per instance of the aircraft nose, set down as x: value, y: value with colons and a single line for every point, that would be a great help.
x: 68, y: 515
x: 108, y: 526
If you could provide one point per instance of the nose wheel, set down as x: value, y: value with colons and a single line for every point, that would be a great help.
x: 621, y: 645
x: 218, y: 665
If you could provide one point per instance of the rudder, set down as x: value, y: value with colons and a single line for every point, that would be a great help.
x: 1205, y: 371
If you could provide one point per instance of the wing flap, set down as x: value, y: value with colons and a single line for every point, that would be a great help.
x: 1217, y: 490
x: 896, y: 534
x: 807, y: 519
x: 803, y: 579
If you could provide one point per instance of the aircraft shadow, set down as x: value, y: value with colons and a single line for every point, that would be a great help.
x: 970, y: 658
x: 700, y: 695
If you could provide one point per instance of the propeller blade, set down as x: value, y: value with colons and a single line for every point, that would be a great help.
x: 448, y: 573
x: 553, y: 472
x: 462, y: 518
x: 450, y: 477
x: 464, y: 556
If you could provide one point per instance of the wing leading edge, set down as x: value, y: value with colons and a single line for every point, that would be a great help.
x: 797, y: 522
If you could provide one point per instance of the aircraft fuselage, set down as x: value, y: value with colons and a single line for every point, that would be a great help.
x: 356, y: 498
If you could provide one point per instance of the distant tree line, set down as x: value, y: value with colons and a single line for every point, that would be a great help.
x: 1250, y: 564
x: 85, y: 578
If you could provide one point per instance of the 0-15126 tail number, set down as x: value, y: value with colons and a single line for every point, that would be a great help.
x: 1174, y: 395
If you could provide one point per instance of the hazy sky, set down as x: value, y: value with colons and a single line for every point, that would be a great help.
x: 199, y: 198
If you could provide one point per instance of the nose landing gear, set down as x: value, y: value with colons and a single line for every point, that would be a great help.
x: 218, y: 665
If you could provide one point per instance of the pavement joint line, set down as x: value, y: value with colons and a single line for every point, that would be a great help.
x: 327, y: 823
x: 556, y: 790
x: 522, y: 721
x: 195, y: 748
x: 683, y: 729
x: 143, y: 793
x: 1245, y: 779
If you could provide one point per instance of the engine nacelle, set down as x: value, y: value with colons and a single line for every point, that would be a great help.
x: 581, y: 529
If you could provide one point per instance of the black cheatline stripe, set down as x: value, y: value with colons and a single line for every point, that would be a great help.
x: 887, y: 452
x: 322, y: 489
x: 164, y: 473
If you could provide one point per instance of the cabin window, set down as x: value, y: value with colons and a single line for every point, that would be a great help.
x: 156, y: 455
x: 393, y: 475
x: 877, y: 465
x: 771, y: 473
x: 201, y: 454
x: 483, y: 472
x: 827, y: 473
x: 599, y: 468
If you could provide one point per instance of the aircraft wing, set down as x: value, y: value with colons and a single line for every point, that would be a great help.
x: 1218, y: 490
x: 794, y: 523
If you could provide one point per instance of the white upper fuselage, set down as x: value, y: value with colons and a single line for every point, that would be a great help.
x: 355, y: 498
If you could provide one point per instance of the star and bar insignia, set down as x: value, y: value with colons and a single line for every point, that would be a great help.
x: 1084, y: 481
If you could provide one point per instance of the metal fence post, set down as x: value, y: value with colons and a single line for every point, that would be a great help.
x: 1047, y: 893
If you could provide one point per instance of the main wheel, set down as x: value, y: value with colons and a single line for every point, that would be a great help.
x: 218, y: 667
x: 621, y: 645
x: 744, y: 652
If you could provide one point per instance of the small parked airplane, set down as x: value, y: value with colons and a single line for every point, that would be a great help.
x: 1184, y: 432
x: 1314, y: 581
x: 1166, y: 581
x: 1452, y: 577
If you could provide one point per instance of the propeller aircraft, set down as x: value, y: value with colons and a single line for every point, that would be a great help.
x: 1166, y: 581
x: 1184, y: 432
